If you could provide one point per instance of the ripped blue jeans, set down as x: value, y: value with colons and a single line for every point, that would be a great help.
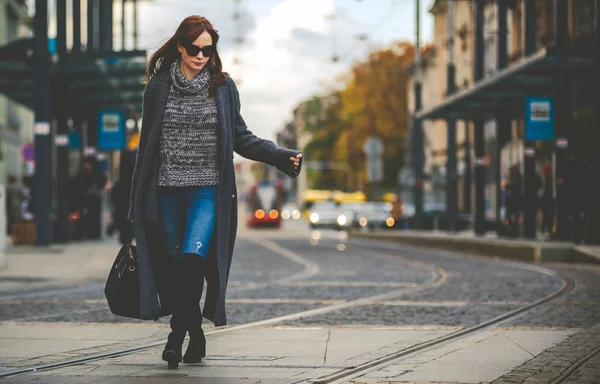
x: 188, y: 219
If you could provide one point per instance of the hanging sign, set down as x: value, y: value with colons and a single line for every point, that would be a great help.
x: 539, y: 119
x: 111, y: 130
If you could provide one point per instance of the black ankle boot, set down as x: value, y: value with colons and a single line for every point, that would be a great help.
x: 172, y: 351
x: 196, y: 350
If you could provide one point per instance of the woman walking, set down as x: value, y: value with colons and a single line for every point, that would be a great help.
x: 183, y: 196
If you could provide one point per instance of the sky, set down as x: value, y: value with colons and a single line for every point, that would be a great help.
x: 287, y: 46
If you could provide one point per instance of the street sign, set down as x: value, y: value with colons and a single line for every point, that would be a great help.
x: 539, y: 119
x: 111, y: 130
x: 373, y: 148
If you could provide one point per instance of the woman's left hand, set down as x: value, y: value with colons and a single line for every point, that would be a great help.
x: 296, y: 160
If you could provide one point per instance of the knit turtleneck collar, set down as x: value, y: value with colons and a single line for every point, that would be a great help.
x: 185, y: 85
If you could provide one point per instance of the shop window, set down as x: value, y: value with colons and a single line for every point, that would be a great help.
x: 583, y: 24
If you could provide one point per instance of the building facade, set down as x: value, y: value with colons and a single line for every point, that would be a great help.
x: 508, y: 55
x: 16, y: 120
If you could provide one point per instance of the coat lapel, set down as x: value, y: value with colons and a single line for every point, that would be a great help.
x: 161, y: 89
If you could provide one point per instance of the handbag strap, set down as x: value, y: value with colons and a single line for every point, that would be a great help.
x: 132, y: 234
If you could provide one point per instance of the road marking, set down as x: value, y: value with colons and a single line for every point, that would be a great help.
x: 310, y: 268
x: 284, y: 301
x: 449, y: 303
x: 333, y: 283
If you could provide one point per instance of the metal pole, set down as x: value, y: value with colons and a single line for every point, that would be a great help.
x: 61, y: 27
x: 468, y: 178
x: 451, y: 166
x: 135, y: 25
x: 123, y: 25
x: 417, y: 131
x: 62, y: 171
x: 529, y: 26
x: 43, y: 114
x: 76, y: 25
x: 480, y: 156
x: 562, y: 102
x: 503, y: 123
x: 530, y: 192
x: 105, y: 24
x: 91, y: 26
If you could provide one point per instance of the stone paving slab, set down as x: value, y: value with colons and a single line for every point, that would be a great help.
x: 482, y: 357
x: 26, y: 344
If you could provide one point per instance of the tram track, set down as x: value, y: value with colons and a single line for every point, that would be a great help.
x: 572, y: 370
x: 439, y: 275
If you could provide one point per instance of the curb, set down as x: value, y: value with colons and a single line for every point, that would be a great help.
x: 532, y: 251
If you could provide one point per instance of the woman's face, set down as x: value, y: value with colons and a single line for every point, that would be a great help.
x: 197, y: 62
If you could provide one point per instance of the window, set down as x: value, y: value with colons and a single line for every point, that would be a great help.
x: 12, y: 24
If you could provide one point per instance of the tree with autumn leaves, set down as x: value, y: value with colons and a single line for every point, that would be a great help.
x: 372, y: 103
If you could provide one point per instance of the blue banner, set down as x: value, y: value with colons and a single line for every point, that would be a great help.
x: 539, y: 119
x: 111, y: 130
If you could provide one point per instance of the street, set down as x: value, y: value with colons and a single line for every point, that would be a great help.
x: 306, y: 305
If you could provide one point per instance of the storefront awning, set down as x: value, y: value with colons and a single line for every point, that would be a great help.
x: 504, y: 93
x: 89, y: 81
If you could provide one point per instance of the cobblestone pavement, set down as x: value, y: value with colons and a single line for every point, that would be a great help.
x: 556, y: 361
x: 253, y: 265
x: 475, y: 290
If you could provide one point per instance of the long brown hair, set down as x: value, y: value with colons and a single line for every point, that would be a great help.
x: 188, y: 31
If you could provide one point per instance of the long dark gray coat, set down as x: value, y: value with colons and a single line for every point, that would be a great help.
x: 156, y: 300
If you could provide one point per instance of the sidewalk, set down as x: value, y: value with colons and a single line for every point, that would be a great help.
x: 30, y: 268
x: 290, y: 355
x: 490, y: 245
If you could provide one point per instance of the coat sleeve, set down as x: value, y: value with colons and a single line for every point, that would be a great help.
x: 142, y: 146
x: 250, y: 146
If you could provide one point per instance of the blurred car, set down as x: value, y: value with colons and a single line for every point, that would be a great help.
x: 324, y: 214
x: 375, y: 214
x: 348, y: 214
x: 290, y: 212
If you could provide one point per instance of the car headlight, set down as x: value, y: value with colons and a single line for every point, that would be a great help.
x: 390, y: 222
x: 259, y: 214
x: 296, y: 214
x: 342, y: 220
x: 273, y: 214
x: 285, y: 214
x: 314, y: 218
x: 362, y: 221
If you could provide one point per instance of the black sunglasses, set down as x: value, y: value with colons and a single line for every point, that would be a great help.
x: 194, y: 50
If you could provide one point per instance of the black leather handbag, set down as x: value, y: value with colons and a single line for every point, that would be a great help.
x: 122, y: 288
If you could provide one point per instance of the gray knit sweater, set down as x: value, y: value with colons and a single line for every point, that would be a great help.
x: 188, y: 138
